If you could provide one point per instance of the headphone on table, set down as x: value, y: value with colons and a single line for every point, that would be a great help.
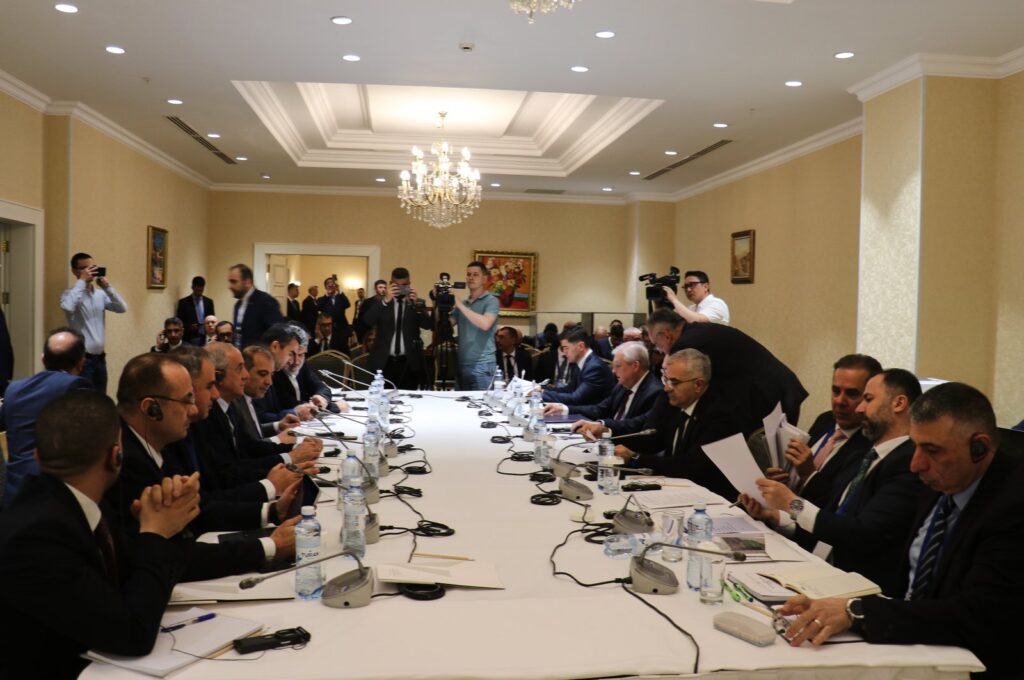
x: 979, y: 449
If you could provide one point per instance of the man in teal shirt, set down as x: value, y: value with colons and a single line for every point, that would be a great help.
x: 477, y: 319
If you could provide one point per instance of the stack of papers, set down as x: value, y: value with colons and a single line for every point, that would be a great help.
x: 465, y: 573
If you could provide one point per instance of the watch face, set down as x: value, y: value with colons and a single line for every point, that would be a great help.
x: 796, y: 506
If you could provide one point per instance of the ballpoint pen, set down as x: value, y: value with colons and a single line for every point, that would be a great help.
x: 179, y: 626
x: 732, y: 591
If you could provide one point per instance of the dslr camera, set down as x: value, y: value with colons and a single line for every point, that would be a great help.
x: 653, y: 291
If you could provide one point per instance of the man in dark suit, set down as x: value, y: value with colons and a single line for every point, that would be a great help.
x: 589, y: 380
x: 747, y: 375
x: 549, y: 358
x: 309, y: 310
x: 297, y: 384
x: 872, y: 503
x: 255, y: 310
x: 398, y: 318
x: 511, y: 357
x: 961, y: 561
x: 325, y: 338
x: 334, y: 303
x: 71, y: 577
x: 294, y: 311
x: 632, y: 398
x: 63, y: 359
x: 836, y: 436
x: 193, y: 310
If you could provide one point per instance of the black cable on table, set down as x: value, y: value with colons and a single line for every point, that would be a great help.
x: 696, y: 661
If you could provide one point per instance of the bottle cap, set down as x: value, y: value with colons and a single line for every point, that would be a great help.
x: 308, y: 511
x: 700, y: 506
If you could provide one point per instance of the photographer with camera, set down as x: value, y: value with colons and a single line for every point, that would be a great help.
x: 397, y: 319
x: 706, y: 307
x: 477, y: 319
x: 85, y: 305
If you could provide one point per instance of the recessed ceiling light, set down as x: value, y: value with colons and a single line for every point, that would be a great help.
x: 381, y: 179
x: 634, y: 172
x: 176, y: 102
x: 793, y: 83
x: 66, y: 8
x: 241, y: 158
x: 213, y: 135
x: 607, y: 189
x: 351, y: 57
x: 605, y: 34
x: 341, y: 21
x: 579, y: 69
x: 495, y: 184
x: 844, y: 55
x: 720, y: 125
x: 114, y: 49
x: 670, y: 152
x: 264, y: 176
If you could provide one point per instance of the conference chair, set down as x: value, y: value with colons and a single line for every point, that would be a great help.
x: 335, y: 362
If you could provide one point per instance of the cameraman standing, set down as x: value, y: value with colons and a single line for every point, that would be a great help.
x: 397, y: 318
x: 477, y: 319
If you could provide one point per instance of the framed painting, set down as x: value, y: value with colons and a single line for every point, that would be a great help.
x: 741, y: 263
x: 512, y: 277
x: 156, y: 258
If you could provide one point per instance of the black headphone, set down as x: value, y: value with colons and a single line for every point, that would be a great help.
x: 120, y: 458
x: 979, y: 449
x: 218, y: 375
x: 154, y: 411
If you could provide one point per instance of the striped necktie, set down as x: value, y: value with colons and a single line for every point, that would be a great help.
x: 855, y: 485
x: 934, y: 540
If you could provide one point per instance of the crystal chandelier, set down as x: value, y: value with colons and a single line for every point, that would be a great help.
x: 532, y: 7
x: 446, y: 192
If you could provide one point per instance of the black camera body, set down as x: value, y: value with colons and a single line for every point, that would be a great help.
x: 654, y: 292
x: 99, y: 272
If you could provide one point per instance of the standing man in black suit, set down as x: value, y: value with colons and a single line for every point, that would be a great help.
x: 632, y: 398
x: 511, y: 357
x: 71, y: 577
x: 549, y: 358
x: 309, y: 310
x: 334, y: 303
x: 255, y: 310
x: 398, y: 318
x: 872, y: 503
x: 193, y: 310
x: 962, y: 560
x: 748, y: 376
x: 590, y: 380
x: 294, y: 312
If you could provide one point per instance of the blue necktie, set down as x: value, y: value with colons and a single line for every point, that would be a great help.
x: 930, y: 551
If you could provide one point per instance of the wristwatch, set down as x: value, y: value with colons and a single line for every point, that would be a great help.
x: 855, y: 610
x: 796, y: 506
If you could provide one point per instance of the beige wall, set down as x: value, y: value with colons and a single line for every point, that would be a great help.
x: 803, y: 303
x: 21, y: 139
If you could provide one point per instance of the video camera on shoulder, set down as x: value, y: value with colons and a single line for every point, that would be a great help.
x: 654, y: 292
x: 443, y: 290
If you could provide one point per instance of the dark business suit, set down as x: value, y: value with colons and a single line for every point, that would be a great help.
x: 711, y: 421
x: 523, y: 362
x: 646, y: 395
x: 547, y: 364
x: 819, y: 488
x: 293, y: 311
x: 335, y: 342
x: 334, y: 307
x: 977, y: 582
x: 589, y: 385
x: 309, y: 312
x: 309, y: 385
x: 58, y: 600
x: 187, y: 313
x: 410, y: 373
x: 603, y: 348
x: 241, y: 458
x: 869, y: 535
x: 25, y: 399
x: 746, y: 374
x: 261, y: 313
x: 189, y: 455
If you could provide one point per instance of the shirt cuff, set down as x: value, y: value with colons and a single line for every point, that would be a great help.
x: 287, y: 458
x: 807, y: 517
x: 268, y: 486
x: 265, y: 516
x: 786, y: 527
x: 269, y: 549
x: 563, y: 409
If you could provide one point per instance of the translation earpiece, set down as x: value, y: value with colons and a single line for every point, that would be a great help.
x: 154, y: 411
x: 978, y: 448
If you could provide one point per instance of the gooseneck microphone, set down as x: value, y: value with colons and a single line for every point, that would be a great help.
x: 652, y: 578
x: 560, y: 469
x: 351, y: 589
x: 628, y: 521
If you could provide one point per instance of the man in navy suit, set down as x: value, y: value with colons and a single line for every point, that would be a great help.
x: 255, y: 310
x: 590, y: 379
x: 193, y: 310
x: 63, y: 359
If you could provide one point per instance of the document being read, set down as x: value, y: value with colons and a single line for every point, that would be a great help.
x: 733, y: 458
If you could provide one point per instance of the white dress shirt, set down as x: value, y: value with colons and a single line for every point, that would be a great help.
x: 84, y: 306
x: 89, y: 508
x: 712, y: 307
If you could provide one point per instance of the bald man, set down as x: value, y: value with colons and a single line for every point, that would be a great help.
x: 63, y: 360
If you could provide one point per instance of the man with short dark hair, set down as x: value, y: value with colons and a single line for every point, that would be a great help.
x: 513, y: 360
x: 283, y: 340
x: 255, y: 311
x: 324, y: 337
x: 704, y: 307
x: 294, y: 311
x: 334, y: 303
x: 85, y: 306
x: 398, y: 318
x: 172, y: 337
x: 225, y: 332
x: 357, y: 310
x: 193, y: 310
x: 70, y: 576
x: 476, y: 318
x: 63, y: 359
x: 961, y: 563
x: 589, y: 380
x: 309, y: 310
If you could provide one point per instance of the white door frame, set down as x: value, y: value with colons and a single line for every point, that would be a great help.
x: 27, y: 337
x: 260, y: 251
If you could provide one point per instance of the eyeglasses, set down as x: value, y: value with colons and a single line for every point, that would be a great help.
x: 688, y: 286
x: 673, y: 383
x: 190, y: 400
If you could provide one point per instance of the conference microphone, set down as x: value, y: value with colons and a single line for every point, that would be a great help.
x: 351, y: 589
x: 572, y: 489
x: 652, y: 578
x: 340, y: 381
x: 561, y: 469
x: 340, y: 384
x: 628, y: 521
x: 390, y: 446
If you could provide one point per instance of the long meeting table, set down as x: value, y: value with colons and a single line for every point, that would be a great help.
x: 539, y: 626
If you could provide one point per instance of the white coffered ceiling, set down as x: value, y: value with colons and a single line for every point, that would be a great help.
x: 268, y: 76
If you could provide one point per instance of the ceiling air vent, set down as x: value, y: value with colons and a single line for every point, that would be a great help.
x: 553, y: 192
x: 187, y: 129
x: 692, y: 157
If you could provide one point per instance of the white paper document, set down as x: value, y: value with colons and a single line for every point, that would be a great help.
x: 677, y: 497
x: 227, y: 590
x: 466, y: 573
x: 733, y: 458
x: 734, y: 524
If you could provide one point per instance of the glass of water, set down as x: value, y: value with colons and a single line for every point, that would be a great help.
x: 618, y: 546
x: 712, y: 575
x: 672, y: 523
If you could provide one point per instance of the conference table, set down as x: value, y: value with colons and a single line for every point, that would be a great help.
x: 537, y: 626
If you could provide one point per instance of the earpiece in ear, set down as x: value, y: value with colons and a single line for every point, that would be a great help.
x: 978, y: 448
x: 154, y: 411
x: 120, y: 458
x: 218, y: 375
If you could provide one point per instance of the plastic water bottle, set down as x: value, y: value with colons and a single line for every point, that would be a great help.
x: 536, y: 419
x: 520, y: 416
x: 350, y: 469
x: 373, y: 400
x: 384, y: 407
x: 308, y: 580
x: 372, y: 451
x: 353, y: 529
x: 513, y: 402
x: 698, y: 530
x: 542, y: 449
x: 607, y: 472
x: 497, y: 389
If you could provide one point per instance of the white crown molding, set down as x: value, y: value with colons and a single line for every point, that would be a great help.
x: 23, y: 92
x: 811, y: 144
x: 268, y: 108
x: 920, y: 65
x: 647, y: 197
x: 375, y: 192
x: 626, y: 113
x: 80, y: 111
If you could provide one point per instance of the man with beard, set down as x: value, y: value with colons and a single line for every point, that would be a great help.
x: 255, y: 310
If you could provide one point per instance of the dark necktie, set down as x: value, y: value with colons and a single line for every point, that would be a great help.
x: 510, y: 370
x: 680, y: 435
x: 398, y: 329
x: 855, y: 485
x: 105, y: 543
x: 929, y: 558
x: 622, y: 407
x: 573, y: 377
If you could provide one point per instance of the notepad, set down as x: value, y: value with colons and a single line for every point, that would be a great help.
x: 465, y: 573
x: 821, y: 580
x: 176, y: 650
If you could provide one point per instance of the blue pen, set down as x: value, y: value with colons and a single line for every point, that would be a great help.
x: 179, y: 626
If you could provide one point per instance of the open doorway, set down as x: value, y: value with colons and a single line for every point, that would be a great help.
x: 21, y: 284
x: 352, y: 272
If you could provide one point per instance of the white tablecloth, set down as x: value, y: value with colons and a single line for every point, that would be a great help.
x: 539, y: 626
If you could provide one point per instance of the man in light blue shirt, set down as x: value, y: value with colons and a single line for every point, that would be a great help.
x: 85, y: 305
x: 477, y: 319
